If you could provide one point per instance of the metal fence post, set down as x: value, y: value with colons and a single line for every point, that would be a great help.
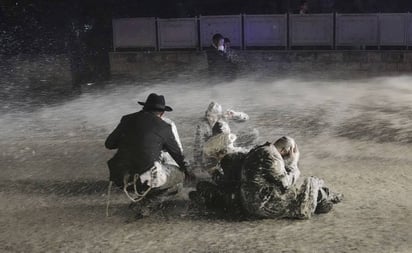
x: 157, y: 48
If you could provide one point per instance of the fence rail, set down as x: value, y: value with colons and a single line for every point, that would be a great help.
x: 349, y: 31
x: 311, y: 30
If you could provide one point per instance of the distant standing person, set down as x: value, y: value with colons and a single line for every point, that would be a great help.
x: 219, y: 65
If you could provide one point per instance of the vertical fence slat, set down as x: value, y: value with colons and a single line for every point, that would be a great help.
x: 311, y: 30
x: 134, y: 32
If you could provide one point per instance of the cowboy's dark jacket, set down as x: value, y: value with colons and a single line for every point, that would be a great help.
x: 139, y: 139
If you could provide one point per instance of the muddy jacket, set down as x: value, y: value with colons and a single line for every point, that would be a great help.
x: 267, y: 185
x: 139, y: 139
x: 203, y: 133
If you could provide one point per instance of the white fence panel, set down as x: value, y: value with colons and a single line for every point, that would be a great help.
x: 177, y: 33
x: 229, y: 26
x: 134, y: 32
x: 265, y: 30
x: 392, y: 29
x: 311, y: 30
x: 357, y: 30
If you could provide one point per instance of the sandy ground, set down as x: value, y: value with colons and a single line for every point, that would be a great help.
x: 355, y: 135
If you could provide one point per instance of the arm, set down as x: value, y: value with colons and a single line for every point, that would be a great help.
x: 172, y: 147
x: 112, y: 141
x: 291, y: 164
x: 278, y: 173
x: 174, y: 130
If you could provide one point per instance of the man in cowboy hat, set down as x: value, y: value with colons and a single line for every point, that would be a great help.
x: 141, y: 139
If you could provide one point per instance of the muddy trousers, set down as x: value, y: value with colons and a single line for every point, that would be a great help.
x: 298, y: 203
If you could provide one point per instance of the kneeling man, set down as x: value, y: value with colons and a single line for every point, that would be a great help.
x: 141, y: 140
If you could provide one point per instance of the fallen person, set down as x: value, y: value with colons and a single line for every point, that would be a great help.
x: 204, y: 131
x: 268, y: 184
x: 224, y: 161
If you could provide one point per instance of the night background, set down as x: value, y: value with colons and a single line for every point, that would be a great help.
x: 83, y: 29
x: 55, y: 26
x: 63, y: 90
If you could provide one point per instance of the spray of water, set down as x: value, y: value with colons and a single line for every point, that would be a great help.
x: 346, y: 118
x: 288, y: 105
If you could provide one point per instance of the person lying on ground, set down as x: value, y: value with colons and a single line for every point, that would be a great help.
x: 223, y: 161
x: 268, y: 184
x: 213, y: 114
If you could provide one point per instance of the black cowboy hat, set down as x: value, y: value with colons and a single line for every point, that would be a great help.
x: 155, y: 102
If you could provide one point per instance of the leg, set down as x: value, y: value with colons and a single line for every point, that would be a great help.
x: 165, y: 180
x: 326, y: 200
x: 305, y: 203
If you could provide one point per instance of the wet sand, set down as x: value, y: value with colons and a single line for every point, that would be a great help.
x: 356, y: 135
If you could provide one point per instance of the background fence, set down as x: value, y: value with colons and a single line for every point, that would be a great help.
x: 311, y: 30
x: 177, y: 33
x: 333, y: 31
x: 264, y: 30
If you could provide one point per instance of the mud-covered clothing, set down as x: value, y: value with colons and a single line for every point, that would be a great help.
x: 231, y: 165
x: 221, y: 144
x: 163, y: 176
x: 139, y: 139
x: 217, y: 147
x: 203, y: 133
x: 224, y: 192
x: 243, y: 142
x: 268, y: 188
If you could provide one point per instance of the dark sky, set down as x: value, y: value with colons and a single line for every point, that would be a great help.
x: 46, y: 25
x: 183, y: 8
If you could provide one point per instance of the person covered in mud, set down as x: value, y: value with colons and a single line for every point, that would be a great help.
x: 268, y: 184
x: 224, y: 160
x: 220, y: 67
x: 220, y: 144
x: 141, y: 140
x: 213, y: 114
